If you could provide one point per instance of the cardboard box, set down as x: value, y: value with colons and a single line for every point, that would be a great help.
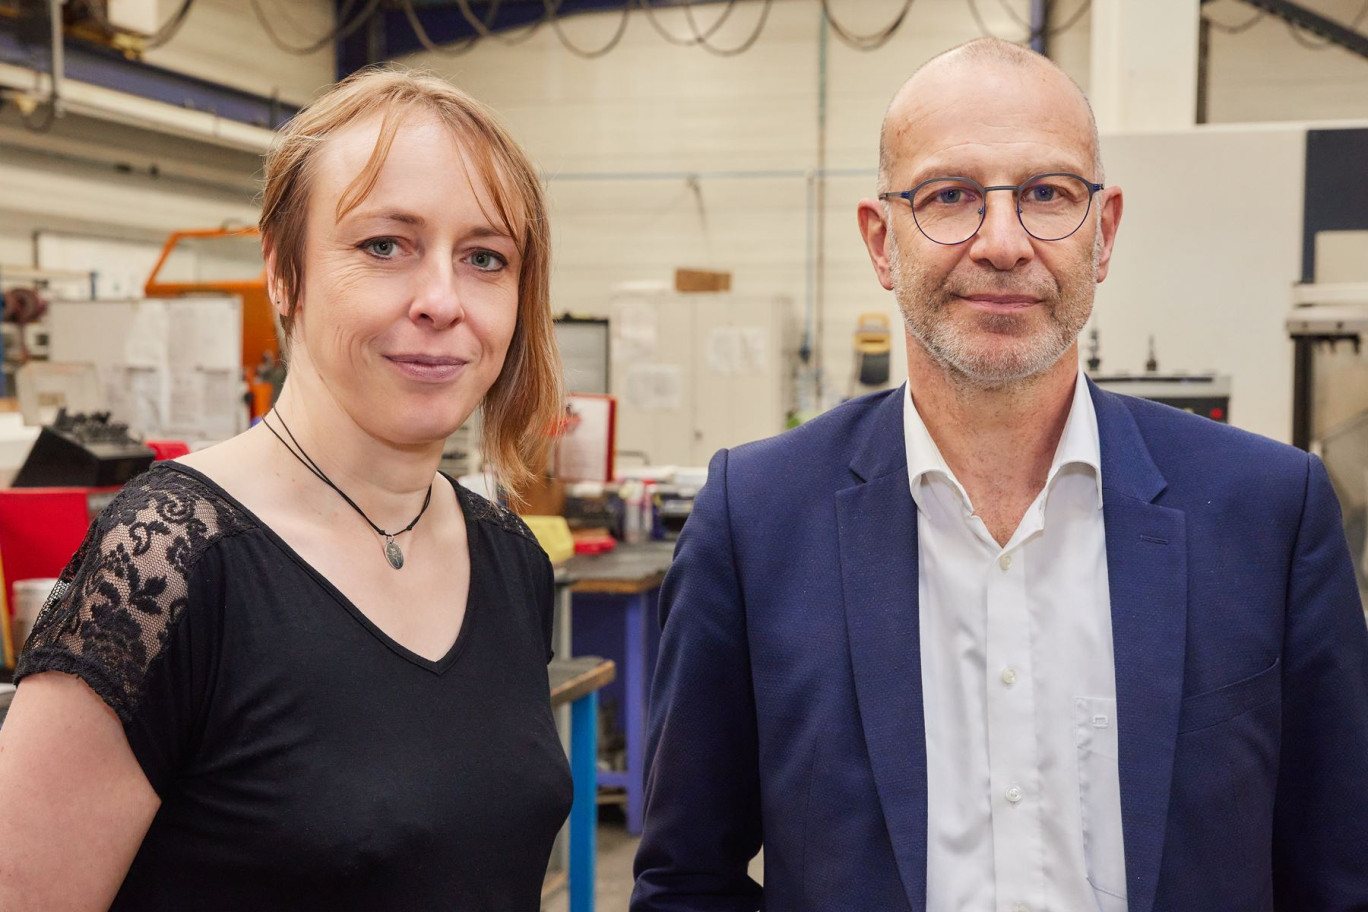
x: 702, y: 280
x: 543, y: 497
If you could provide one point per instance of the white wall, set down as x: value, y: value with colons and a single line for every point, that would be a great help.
x: 91, y: 178
x: 747, y: 127
x: 649, y: 107
x: 222, y: 41
x: 1207, y: 253
x: 102, y: 179
x: 1265, y: 74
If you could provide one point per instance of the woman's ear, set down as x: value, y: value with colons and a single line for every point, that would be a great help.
x: 273, y: 284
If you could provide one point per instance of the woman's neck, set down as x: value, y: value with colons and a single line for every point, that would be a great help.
x: 386, y: 480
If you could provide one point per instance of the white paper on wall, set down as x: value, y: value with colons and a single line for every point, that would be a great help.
x: 146, y: 340
x: 734, y: 351
x: 221, y: 403
x: 144, y: 386
x: 204, y: 332
x: 203, y: 403
x: 635, y: 335
x: 655, y: 387
x: 187, y: 399
x: 722, y: 352
x: 754, y: 349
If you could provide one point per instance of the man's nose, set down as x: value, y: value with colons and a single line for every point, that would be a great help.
x: 1001, y: 240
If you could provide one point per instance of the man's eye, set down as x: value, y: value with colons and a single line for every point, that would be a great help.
x: 1042, y: 194
x: 486, y: 261
x: 951, y: 196
x: 381, y: 247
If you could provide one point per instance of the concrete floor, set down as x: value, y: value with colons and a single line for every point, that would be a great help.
x: 613, y: 880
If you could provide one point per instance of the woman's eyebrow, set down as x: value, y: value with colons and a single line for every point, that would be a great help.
x: 389, y: 215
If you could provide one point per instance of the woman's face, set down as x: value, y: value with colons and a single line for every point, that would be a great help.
x: 409, y: 301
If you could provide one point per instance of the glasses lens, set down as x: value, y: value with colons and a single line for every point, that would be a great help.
x: 1053, y: 206
x: 948, y: 211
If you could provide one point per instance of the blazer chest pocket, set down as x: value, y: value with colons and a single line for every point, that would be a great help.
x: 1225, y: 703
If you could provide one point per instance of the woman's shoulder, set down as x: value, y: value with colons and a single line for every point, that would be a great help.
x: 480, y: 509
x: 125, y: 589
x: 173, y: 506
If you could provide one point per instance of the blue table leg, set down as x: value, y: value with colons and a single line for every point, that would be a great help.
x: 635, y: 697
x: 632, y: 639
x: 584, y: 810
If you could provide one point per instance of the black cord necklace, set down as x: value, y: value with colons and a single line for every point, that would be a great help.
x: 393, y: 554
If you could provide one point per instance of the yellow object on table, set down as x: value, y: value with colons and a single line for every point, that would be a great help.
x: 7, y: 647
x: 553, y: 534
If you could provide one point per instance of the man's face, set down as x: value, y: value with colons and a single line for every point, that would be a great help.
x: 1003, y: 306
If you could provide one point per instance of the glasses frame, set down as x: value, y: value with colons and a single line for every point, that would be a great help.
x: 1093, y: 188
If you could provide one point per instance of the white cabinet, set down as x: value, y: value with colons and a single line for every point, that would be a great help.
x: 169, y: 367
x: 697, y: 372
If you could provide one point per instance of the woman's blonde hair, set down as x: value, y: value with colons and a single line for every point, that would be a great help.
x: 525, y: 401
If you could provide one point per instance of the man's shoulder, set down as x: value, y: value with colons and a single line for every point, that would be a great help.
x: 1186, y: 445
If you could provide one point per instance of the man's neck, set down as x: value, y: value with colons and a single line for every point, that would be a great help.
x: 999, y: 441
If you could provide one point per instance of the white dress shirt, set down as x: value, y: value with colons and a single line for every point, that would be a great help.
x: 1019, y: 689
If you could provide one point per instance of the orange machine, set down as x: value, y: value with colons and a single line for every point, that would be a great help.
x: 224, y: 261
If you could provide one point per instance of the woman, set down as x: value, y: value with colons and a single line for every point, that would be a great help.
x: 302, y: 669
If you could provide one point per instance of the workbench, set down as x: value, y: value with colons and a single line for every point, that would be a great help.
x: 614, y: 599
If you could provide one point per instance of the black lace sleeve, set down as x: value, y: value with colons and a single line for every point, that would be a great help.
x: 117, y: 604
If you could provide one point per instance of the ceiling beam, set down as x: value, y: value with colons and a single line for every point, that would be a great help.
x: 1315, y: 23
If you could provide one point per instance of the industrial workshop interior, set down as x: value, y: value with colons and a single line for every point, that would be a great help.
x: 272, y: 269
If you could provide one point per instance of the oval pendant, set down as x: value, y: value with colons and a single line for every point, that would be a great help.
x: 394, y: 555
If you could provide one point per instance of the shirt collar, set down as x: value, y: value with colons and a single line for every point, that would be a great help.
x: 1079, y: 445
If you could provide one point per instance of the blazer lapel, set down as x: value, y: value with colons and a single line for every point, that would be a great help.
x: 876, y: 524
x: 1147, y: 581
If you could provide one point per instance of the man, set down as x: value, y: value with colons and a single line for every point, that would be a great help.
x: 999, y: 640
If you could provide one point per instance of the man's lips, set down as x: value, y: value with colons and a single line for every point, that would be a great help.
x: 1002, y: 300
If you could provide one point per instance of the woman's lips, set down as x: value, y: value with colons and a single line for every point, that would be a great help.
x: 427, y: 368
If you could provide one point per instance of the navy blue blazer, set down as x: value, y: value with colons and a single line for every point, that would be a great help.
x: 787, y: 702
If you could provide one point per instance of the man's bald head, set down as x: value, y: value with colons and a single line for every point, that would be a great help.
x: 963, y: 62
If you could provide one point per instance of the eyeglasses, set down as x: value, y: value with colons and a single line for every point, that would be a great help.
x: 951, y: 210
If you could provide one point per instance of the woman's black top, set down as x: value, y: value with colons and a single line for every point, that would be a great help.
x: 303, y: 758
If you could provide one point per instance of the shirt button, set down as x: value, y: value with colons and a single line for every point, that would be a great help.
x: 1009, y: 676
x: 1014, y: 794
x: 1005, y: 562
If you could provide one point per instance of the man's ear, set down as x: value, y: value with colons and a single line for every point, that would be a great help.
x: 1111, y: 220
x: 873, y: 220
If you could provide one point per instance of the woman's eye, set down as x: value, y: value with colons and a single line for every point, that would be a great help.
x: 385, y: 248
x: 486, y: 261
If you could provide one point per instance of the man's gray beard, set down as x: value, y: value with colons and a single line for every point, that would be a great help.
x: 951, y: 345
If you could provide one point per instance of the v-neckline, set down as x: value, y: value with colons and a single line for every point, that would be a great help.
x: 438, y: 666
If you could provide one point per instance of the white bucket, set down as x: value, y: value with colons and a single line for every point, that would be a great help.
x: 29, y: 597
